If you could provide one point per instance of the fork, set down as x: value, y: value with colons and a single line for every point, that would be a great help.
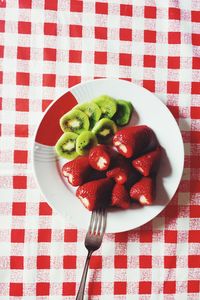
x: 93, y: 242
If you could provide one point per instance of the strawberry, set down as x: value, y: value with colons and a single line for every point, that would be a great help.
x: 120, y: 196
x: 142, y: 191
x: 118, y: 174
x: 148, y: 163
x: 99, y: 157
x: 132, y: 141
x: 95, y: 194
x: 77, y: 170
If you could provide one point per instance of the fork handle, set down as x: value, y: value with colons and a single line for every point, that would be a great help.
x: 81, y: 289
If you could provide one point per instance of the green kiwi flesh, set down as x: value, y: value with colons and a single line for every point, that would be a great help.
x: 85, y: 141
x: 107, y: 105
x: 92, y: 110
x: 66, y: 145
x: 104, y: 129
x: 124, y: 112
x: 74, y: 121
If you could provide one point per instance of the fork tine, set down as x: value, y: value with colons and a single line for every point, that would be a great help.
x: 96, y: 221
x: 92, y: 221
x: 104, y: 215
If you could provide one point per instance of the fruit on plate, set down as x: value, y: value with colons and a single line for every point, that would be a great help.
x: 107, y: 105
x: 92, y: 110
x: 120, y: 196
x: 119, y: 175
x: 124, y: 112
x: 120, y: 169
x: 143, y: 190
x: 85, y: 141
x: 148, y: 163
x: 77, y: 171
x: 134, y: 140
x: 99, y: 157
x: 66, y: 145
x: 95, y: 194
x: 75, y: 121
x: 104, y: 129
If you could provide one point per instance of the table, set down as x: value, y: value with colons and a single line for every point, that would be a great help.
x: 46, y: 47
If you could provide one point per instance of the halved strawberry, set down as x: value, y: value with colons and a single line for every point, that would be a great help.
x: 120, y: 196
x: 118, y: 174
x: 95, y: 194
x: 77, y: 170
x: 148, y: 163
x: 99, y: 157
x: 143, y: 191
x: 135, y: 140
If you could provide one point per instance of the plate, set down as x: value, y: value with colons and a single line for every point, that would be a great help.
x: 148, y: 110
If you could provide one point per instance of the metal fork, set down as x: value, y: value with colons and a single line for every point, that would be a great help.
x: 93, y: 241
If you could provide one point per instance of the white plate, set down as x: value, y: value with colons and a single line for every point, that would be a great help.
x: 149, y: 110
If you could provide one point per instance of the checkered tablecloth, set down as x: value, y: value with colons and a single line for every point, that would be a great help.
x: 46, y: 47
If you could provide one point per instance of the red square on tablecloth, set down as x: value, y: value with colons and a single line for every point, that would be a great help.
x: 1, y: 51
x: 21, y: 130
x: 101, y: 33
x: 20, y: 156
x: 49, y: 54
x: 50, y: 28
x: 51, y: 4
x: 76, y: 6
x: 149, y: 61
x: 100, y: 58
x: 42, y: 288
x: 21, y: 104
x: 3, y: 4
x: 196, y: 63
x: 121, y: 237
x: 174, y: 37
x: 73, y: 80
x: 1, y: 77
x: 125, y: 59
x: 174, y: 13
x: 169, y: 262
x: 96, y: 262
x: 75, y: 56
x: 170, y: 236
x: 45, y: 104
x: 193, y: 261
x: 195, y: 209
x: 175, y: 112
x: 2, y: 26
x: 70, y: 235
x: 16, y: 262
x: 120, y: 261
x: 101, y: 8
x: 145, y: 261
x: 16, y: 289
x: 149, y: 85
x: 44, y: 235
x: 49, y: 80
x: 193, y: 286
x: 19, y: 208
x: 19, y: 182
x: 24, y: 27
x: 43, y: 262
x: 22, y: 78
x: 25, y: 3
x: 125, y: 34
x: 144, y: 287
x: 23, y: 53
x: 169, y: 287
x: 146, y: 236
x: 94, y: 288
x: 150, y: 12
x: 120, y: 288
x: 69, y: 289
x: 173, y: 87
x: 149, y: 36
x: 174, y: 62
x: 195, y: 87
x: 69, y: 262
x: 195, y: 15
x: 126, y: 10
x: 195, y: 39
x: 17, y: 235
x: 75, y: 30
x: 45, y: 209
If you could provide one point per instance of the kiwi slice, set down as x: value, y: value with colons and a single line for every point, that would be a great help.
x: 92, y: 110
x: 104, y: 129
x: 75, y: 121
x: 85, y: 141
x: 124, y: 112
x: 66, y: 145
x: 107, y: 105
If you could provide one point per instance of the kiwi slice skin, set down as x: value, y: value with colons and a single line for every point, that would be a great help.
x: 107, y: 105
x: 74, y: 121
x: 85, y: 141
x: 124, y: 112
x: 66, y: 145
x: 92, y: 110
x: 104, y: 129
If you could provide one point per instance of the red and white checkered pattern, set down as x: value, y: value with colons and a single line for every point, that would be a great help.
x: 47, y: 46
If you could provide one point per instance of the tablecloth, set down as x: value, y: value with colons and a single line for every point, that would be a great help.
x: 46, y: 47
